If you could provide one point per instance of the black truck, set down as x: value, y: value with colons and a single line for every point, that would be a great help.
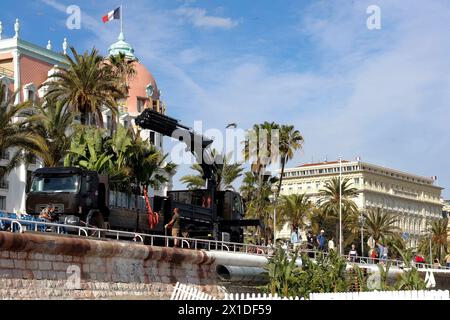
x: 83, y: 197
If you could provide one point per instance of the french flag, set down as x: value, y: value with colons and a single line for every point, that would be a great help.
x: 112, y: 15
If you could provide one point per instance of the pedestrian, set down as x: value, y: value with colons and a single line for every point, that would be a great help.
x: 48, y: 215
x: 285, y: 246
x: 419, y: 260
x: 310, y: 244
x: 436, y: 264
x: 295, y: 241
x: 331, y: 244
x: 380, y: 253
x: 270, y: 248
x: 447, y: 260
x: 175, y: 225
x: 321, y: 240
x: 385, y: 253
x: 373, y: 255
x: 352, y: 254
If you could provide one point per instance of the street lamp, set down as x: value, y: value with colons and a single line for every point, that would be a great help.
x: 431, y: 250
x: 340, y: 206
x: 272, y: 199
x: 363, y: 221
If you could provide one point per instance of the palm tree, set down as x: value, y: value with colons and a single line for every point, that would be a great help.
x: 258, y: 147
x: 15, y: 132
x: 329, y: 203
x: 438, y: 231
x: 381, y: 224
x: 248, y: 187
x: 225, y: 175
x: 256, y: 194
x: 295, y: 209
x: 54, y: 124
x: 397, y: 245
x: 149, y: 169
x: 330, y: 197
x: 88, y: 85
x: 290, y: 141
x: 194, y: 181
x: 124, y: 69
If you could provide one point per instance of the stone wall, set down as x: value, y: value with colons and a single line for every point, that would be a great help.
x: 39, y: 266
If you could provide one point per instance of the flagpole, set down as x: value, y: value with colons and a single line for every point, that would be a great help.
x: 121, y: 19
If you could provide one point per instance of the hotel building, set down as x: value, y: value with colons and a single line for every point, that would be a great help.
x: 415, y: 199
x: 25, y: 66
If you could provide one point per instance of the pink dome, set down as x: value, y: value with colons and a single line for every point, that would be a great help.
x: 138, y: 87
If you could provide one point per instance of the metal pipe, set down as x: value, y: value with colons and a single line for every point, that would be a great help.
x: 249, y: 275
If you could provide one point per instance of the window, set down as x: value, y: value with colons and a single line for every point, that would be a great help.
x: 2, y: 203
x: 108, y: 123
x: 4, y: 184
x: 141, y: 104
x: 30, y: 96
x: 152, y: 138
x: 5, y: 155
x: 61, y: 183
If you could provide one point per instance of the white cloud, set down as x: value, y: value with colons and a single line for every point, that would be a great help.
x: 56, y: 5
x: 199, y: 18
x: 382, y: 95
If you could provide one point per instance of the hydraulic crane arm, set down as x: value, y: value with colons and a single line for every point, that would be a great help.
x: 196, y: 144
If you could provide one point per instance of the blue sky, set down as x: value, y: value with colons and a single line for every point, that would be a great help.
x: 382, y: 95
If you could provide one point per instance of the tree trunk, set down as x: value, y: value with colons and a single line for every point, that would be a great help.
x: 283, y: 165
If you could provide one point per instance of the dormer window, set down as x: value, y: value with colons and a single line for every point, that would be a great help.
x: 149, y: 90
x: 141, y: 102
x: 29, y: 92
x: 4, y: 83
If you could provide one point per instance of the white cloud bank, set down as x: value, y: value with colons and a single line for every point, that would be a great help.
x: 199, y: 18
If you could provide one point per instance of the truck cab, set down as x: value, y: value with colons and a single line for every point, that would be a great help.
x: 75, y: 193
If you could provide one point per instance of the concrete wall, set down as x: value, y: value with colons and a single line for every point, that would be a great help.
x: 45, y: 267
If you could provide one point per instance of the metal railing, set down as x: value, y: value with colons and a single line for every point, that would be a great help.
x: 6, y: 72
x: 38, y: 225
x: 314, y: 254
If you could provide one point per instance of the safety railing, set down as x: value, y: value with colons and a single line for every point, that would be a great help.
x: 22, y: 225
x: 38, y: 225
x: 6, y: 72
x: 314, y: 254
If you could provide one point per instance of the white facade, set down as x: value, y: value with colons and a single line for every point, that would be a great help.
x: 25, y: 66
x: 416, y: 200
x: 22, y: 66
